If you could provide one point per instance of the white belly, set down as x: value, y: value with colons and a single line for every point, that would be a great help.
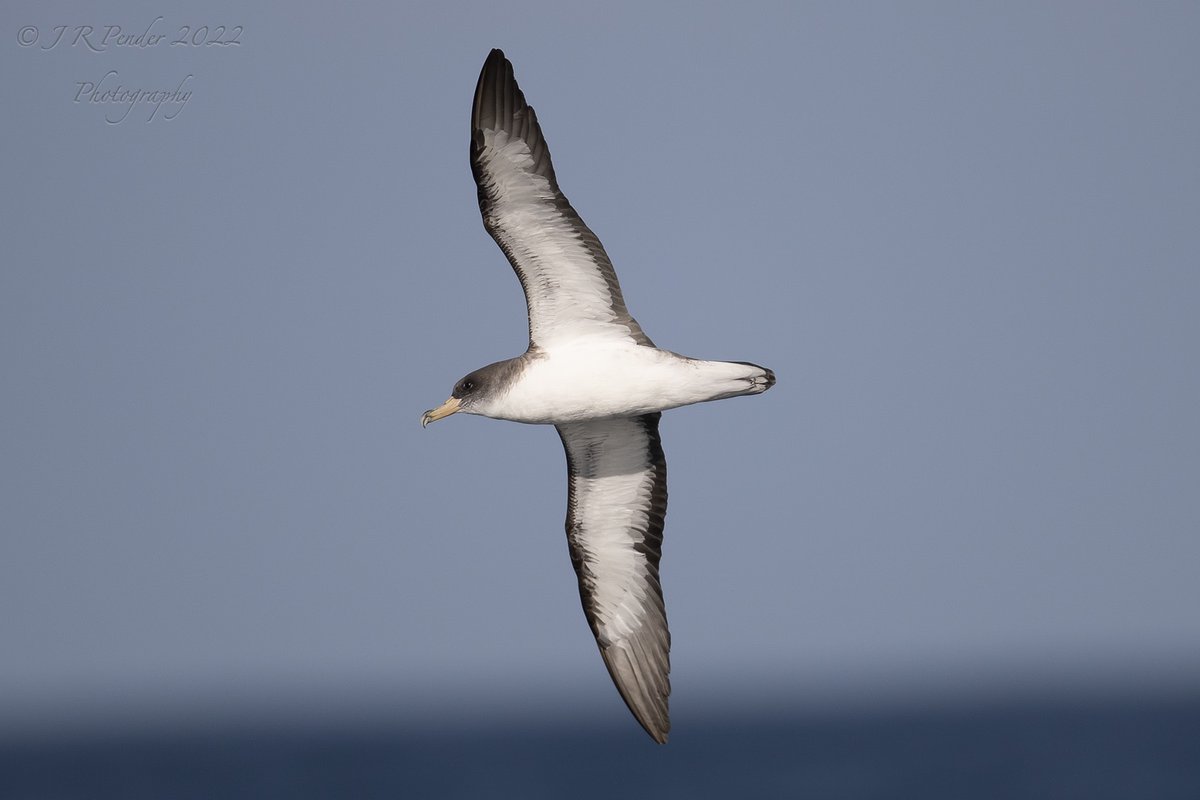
x: 595, y: 381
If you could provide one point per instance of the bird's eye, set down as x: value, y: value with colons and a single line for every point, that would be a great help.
x: 466, y: 386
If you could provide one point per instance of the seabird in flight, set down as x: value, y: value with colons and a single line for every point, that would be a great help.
x: 591, y: 372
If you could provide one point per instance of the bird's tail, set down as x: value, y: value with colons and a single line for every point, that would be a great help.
x: 758, y: 379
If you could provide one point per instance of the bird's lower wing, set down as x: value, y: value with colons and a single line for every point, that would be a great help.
x: 616, y: 505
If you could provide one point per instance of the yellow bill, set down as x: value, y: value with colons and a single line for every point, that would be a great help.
x: 447, y: 408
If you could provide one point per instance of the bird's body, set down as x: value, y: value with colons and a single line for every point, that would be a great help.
x: 593, y: 373
x: 592, y: 379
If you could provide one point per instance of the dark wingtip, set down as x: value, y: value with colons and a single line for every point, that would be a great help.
x: 495, y: 59
x: 645, y: 693
x: 497, y: 95
x: 770, y: 377
x: 499, y: 104
x: 657, y: 732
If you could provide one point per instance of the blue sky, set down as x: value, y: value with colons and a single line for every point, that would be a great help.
x: 964, y: 237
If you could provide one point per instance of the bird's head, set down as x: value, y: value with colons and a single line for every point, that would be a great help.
x: 472, y: 394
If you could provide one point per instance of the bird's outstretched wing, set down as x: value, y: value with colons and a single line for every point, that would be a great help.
x: 570, y: 287
x: 616, y: 505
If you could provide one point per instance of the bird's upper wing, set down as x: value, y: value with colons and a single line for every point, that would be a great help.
x: 570, y: 286
x: 616, y: 504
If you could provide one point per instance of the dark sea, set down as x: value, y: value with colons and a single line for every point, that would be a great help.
x: 1128, y: 749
